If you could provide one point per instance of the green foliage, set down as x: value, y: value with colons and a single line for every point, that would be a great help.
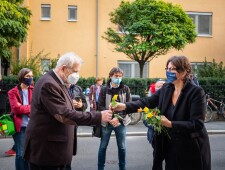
x: 138, y: 86
x: 149, y: 28
x: 14, y: 21
x: 32, y: 63
x: 213, y: 69
x: 53, y: 63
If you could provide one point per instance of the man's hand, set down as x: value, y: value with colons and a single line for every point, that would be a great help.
x: 118, y: 107
x: 106, y: 115
x: 115, y: 122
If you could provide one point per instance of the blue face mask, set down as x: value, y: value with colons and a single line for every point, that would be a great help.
x: 27, y: 81
x: 116, y: 80
x: 171, y: 77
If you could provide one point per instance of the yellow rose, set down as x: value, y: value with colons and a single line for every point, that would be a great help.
x: 146, y: 110
x: 149, y: 115
x: 139, y: 110
x: 115, y: 97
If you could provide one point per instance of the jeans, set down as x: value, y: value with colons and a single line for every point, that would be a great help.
x: 19, y: 138
x: 120, y: 133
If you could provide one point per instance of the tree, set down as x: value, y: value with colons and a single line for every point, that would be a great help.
x: 14, y: 21
x: 149, y: 28
x: 33, y: 63
x: 213, y: 69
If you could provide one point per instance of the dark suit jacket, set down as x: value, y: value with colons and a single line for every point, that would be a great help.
x: 50, y: 138
x: 188, y: 134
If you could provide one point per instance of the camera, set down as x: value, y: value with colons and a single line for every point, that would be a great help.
x: 77, y: 98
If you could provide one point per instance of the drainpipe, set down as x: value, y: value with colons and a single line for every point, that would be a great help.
x: 18, y: 54
x: 96, y: 48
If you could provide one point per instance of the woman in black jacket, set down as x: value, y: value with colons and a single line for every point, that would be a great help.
x: 182, y: 105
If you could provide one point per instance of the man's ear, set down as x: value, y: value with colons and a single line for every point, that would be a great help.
x: 64, y: 67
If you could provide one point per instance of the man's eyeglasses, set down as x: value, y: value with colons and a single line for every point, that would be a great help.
x: 170, y: 69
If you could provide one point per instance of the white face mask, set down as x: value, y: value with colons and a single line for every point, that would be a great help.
x: 73, y: 78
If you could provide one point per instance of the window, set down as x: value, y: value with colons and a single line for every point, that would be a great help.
x: 45, y: 12
x: 203, y: 23
x: 195, y: 66
x: 121, y: 30
x: 45, y: 63
x: 72, y: 13
x: 131, y: 69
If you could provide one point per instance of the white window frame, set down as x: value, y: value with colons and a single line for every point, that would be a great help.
x: 133, y: 63
x: 46, y: 6
x: 121, y: 30
x: 196, y: 22
x: 69, y: 12
x: 195, y: 66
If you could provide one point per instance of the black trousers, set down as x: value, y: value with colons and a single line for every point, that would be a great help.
x: 39, y: 167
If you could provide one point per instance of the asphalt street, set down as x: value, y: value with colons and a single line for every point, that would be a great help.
x: 139, y: 151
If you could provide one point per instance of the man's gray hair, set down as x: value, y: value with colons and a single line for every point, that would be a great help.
x: 69, y: 59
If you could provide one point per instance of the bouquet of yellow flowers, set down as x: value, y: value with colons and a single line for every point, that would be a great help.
x: 113, y: 104
x: 153, y: 118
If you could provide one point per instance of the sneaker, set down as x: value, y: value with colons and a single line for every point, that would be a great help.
x: 10, y: 152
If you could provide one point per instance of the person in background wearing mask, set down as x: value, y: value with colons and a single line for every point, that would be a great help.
x: 182, y: 105
x: 159, y: 83
x: 94, y: 93
x: 50, y: 140
x: 76, y: 94
x: 79, y: 100
x: 20, y: 100
x: 114, y: 86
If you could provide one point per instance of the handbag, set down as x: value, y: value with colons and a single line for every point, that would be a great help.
x: 96, y: 131
x: 127, y: 120
x: 7, y: 127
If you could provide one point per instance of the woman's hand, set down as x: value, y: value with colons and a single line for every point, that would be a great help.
x: 118, y: 107
x: 165, y: 122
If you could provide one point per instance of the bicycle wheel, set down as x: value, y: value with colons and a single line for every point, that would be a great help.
x: 135, y: 118
x: 208, y: 114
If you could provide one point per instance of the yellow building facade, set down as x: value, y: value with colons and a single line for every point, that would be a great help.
x: 59, y: 26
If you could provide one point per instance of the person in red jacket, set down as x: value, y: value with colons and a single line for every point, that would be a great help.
x: 20, y: 99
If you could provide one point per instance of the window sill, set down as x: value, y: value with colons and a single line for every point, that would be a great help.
x: 206, y: 36
x: 72, y: 20
x: 45, y: 19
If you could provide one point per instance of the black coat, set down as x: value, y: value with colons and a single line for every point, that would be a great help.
x: 189, y: 137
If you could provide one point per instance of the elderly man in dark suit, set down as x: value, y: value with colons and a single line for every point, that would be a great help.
x: 50, y: 138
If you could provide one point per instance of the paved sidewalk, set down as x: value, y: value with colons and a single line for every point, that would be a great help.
x: 213, y: 127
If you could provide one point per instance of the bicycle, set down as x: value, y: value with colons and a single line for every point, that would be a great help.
x: 220, y: 110
x: 135, y: 117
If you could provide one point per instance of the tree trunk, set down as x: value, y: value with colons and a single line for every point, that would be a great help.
x: 141, y: 66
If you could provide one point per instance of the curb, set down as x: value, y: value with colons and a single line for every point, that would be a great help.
x: 213, y: 132
x: 210, y: 132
